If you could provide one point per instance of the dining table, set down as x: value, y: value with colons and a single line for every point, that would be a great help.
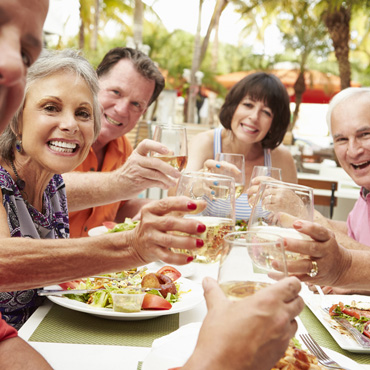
x: 74, y: 340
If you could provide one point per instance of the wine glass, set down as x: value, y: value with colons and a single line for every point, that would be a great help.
x: 175, y: 139
x: 266, y: 171
x: 246, y: 258
x: 237, y: 170
x: 278, y: 205
x: 218, y: 191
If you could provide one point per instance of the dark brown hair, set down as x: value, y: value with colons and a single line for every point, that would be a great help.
x: 143, y: 64
x: 264, y: 87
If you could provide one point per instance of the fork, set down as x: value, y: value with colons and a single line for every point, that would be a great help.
x: 316, y: 350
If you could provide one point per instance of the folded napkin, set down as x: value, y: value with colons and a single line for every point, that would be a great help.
x: 172, y: 350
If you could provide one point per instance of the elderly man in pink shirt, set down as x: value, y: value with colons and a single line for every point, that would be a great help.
x: 348, y: 119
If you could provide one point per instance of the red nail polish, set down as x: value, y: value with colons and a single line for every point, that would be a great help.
x: 189, y: 259
x: 201, y: 228
x: 199, y: 243
x: 192, y: 206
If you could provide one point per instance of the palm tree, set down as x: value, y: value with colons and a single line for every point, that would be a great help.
x: 337, y: 15
x: 200, y: 52
x: 304, y: 34
x: 94, y: 11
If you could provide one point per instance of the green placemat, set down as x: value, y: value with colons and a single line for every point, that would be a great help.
x: 139, y: 365
x: 322, y: 336
x: 62, y: 325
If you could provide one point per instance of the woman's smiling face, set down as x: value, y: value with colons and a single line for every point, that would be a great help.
x: 251, y: 120
x: 57, y: 122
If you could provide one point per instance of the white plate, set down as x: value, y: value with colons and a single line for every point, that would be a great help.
x: 188, y: 301
x: 95, y: 231
x: 316, y: 305
x: 173, y: 350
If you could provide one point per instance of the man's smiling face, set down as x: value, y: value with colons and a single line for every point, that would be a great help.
x: 350, y: 125
x: 124, y: 95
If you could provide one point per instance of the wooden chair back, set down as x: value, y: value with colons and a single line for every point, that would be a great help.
x: 323, y: 200
x: 142, y: 130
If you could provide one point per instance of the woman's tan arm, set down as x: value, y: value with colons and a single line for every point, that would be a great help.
x: 16, y: 354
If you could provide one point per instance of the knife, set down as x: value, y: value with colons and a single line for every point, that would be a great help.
x: 361, y: 339
x: 44, y: 292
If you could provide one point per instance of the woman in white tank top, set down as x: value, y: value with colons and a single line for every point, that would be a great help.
x: 255, y: 117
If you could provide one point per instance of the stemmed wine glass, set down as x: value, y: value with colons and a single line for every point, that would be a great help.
x: 246, y: 258
x: 266, y: 171
x: 234, y: 166
x: 278, y: 205
x: 218, y: 191
x: 175, y: 139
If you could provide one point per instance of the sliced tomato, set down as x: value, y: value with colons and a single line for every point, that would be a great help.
x: 351, y: 312
x: 155, y: 302
x: 70, y: 284
x: 109, y: 224
x: 170, y: 271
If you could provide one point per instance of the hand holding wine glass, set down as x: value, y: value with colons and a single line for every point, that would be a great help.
x: 229, y: 164
x: 218, y: 192
x: 259, y: 174
x: 278, y: 205
x: 175, y: 139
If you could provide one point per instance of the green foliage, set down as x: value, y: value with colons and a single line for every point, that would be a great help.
x: 305, y: 38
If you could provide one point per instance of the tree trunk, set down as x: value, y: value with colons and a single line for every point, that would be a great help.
x: 338, y: 24
x: 193, y: 88
x: 94, y: 36
x: 138, y: 23
x: 215, y: 46
x: 299, y: 89
x: 81, y: 36
x: 199, y: 54
x: 220, y: 6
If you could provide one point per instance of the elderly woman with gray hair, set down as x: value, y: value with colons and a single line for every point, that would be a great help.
x: 50, y: 134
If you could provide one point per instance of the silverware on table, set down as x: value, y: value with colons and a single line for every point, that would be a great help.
x: 322, y: 357
x: 360, y: 338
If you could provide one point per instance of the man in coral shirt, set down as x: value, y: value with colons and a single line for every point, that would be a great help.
x: 113, y: 172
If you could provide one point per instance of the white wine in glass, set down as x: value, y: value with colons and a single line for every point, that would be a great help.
x: 279, y: 204
x: 248, y: 256
x: 175, y: 139
x: 236, y: 170
x: 266, y: 171
x: 218, y: 192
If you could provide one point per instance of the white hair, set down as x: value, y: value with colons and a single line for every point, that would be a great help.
x: 341, y: 97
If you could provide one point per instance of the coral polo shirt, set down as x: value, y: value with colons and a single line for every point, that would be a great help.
x: 116, y: 155
x: 6, y: 331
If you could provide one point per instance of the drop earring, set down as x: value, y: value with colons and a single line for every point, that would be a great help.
x: 18, y: 146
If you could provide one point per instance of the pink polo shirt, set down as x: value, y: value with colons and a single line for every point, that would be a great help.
x: 358, y: 220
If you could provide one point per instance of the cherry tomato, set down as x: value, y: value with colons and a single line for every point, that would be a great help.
x: 170, y: 271
x: 109, y: 224
x: 155, y: 302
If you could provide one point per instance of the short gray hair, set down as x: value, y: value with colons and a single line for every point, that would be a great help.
x: 51, y: 62
x: 341, y: 97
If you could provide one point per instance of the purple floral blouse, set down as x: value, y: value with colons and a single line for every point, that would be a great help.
x: 25, y: 221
